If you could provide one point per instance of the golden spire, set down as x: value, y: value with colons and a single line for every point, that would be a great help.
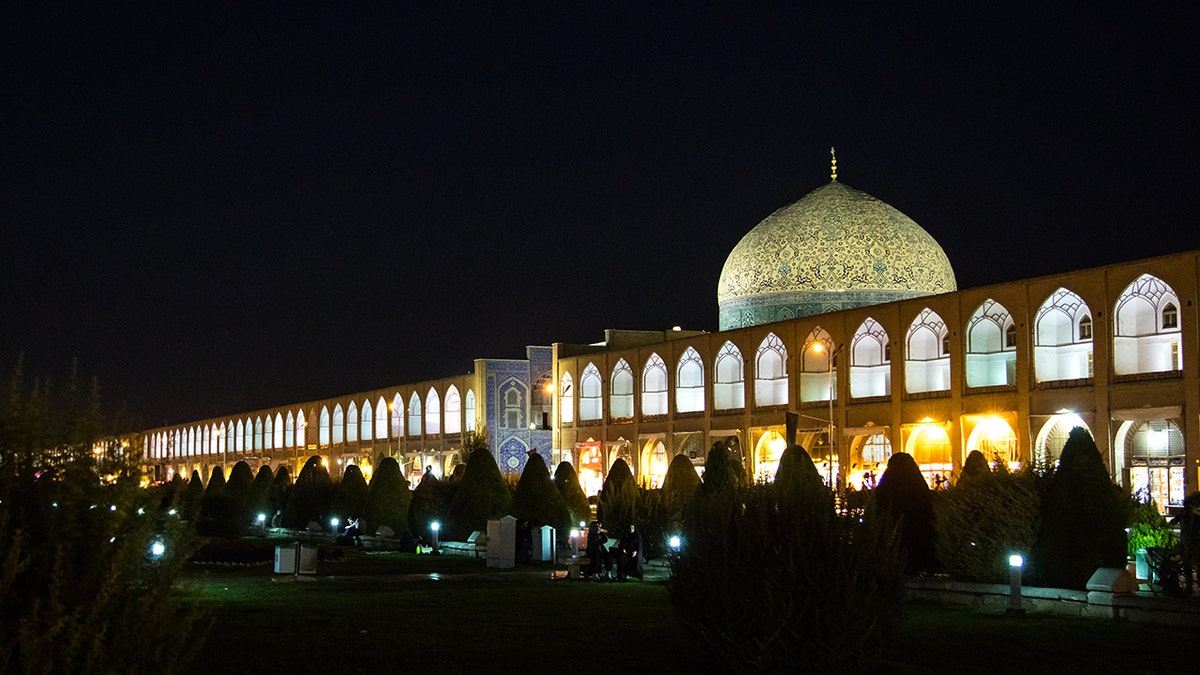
x: 833, y: 165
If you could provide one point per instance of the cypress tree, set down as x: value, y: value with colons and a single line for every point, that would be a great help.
x: 1083, y: 517
x: 721, y: 473
x: 680, y: 483
x: 536, y: 498
x: 567, y: 482
x: 260, y: 495
x: 975, y: 466
x: 310, y: 498
x: 238, y: 491
x: 351, y: 498
x: 617, y: 506
x: 481, y: 496
x: 798, y: 484
x: 429, y: 502
x: 281, y: 487
x: 388, y: 499
x: 192, y: 497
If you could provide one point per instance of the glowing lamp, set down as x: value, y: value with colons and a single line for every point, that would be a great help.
x: 1015, y: 560
x: 157, y: 549
x: 674, y: 542
x: 435, y: 526
x: 262, y: 517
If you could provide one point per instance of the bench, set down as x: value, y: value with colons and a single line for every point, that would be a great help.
x: 475, y: 546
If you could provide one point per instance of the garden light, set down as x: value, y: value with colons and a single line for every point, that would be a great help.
x: 1015, y: 562
x: 262, y: 517
x: 674, y: 542
x: 157, y: 549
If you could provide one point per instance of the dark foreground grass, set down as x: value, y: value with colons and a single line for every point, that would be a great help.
x: 394, y: 613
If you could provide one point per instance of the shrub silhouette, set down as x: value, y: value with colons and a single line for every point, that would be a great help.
x: 1083, y: 517
x: 310, y: 498
x: 536, y: 498
x: 680, y: 483
x: 617, y: 503
x: 350, y: 500
x: 567, y: 482
x: 481, y: 496
x: 429, y: 502
x: 388, y: 499
x: 983, y: 519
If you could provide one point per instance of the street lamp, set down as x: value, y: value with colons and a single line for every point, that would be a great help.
x: 1015, y: 563
x: 819, y: 347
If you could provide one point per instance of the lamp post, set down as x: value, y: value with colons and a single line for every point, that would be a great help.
x: 1015, y: 563
x: 819, y: 347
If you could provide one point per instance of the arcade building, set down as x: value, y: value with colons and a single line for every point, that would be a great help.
x: 841, y: 329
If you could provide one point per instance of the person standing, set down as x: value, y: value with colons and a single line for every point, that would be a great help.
x: 597, y: 553
x: 630, y: 563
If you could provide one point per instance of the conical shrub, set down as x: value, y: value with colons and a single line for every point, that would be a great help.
x: 481, y: 496
x: 567, y: 482
x: 537, y: 500
x: 351, y: 497
x: 388, y: 499
x: 311, y: 497
x: 904, y: 495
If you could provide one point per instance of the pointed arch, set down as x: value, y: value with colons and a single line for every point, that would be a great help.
x: 927, y: 361
x: 472, y: 425
x: 770, y: 372
x: 870, y: 361
x: 249, y: 440
x: 991, y: 346
x: 268, y: 432
x: 1062, y: 348
x: 654, y: 386
x: 1146, y: 335
x: 689, y: 382
x: 323, y: 434
x: 397, y: 408
x: 301, y: 429
x: 620, y: 397
x: 289, y: 431
x: 591, y: 401
x: 381, y: 419
x: 414, y: 415
x: 566, y: 399
x: 729, y: 383
x: 366, y: 420
x: 352, y: 423
x: 339, y: 424
x: 453, y: 411
x: 815, y: 384
x: 241, y: 437
x: 433, y: 412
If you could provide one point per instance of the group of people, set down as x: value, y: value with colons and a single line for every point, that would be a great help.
x: 625, y: 555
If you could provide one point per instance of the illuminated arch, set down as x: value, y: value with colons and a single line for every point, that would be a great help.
x: 277, y: 437
x: 470, y: 410
x: 767, y: 453
x: 591, y: 397
x: 689, y: 382
x: 414, y: 415
x: 352, y: 423
x: 770, y: 372
x: 991, y: 346
x: 995, y: 440
x: 433, y: 412
x: 301, y: 428
x: 1062, y: 348
x: 927, y: 359
x: 397, y: 409
x: 453, y: 412
x: 323, y: 434
x: 339, y: 424
x: 1146, y: 334
x: 870, y: 361
x: 566, y: 399
x: 1053, y: 435
x: 654, y: 386
x: 814, y: 367
x: 289, y: 431
x: 381, y: 419
x: 620, y: 398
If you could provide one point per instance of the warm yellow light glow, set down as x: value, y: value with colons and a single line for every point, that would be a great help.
x: 549, y: 388
x: 818, y: 347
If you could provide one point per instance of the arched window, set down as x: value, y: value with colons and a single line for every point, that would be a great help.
x: 206, y: 443
x: 991, y: 346
x: 232, y: 438
x: 268, y: 433
x: 397, y: 416
x: 433, y: 412
x: 289, y: 431
x: 365, y: 420
x: 414, y: 415
x: 1058, y: 352
x: 352, y: 423
x: 1146, y: 335
x: 729, y: 385
x: 566, y: 399
x: 1010, y: 336
x: 926, y: 367
x: 339, y: 424
x: 621, y: 394
x: 323, y: 434
x: 514, y: 407
x: 1157, y: 458
x: 591, y: 402
x: 249, y: 440
x: 453, y: 411
x: 689, y: 382
x: 770, y: 372
x: 654, y: 386
x: 470, y: 410
x: 301, y: 427
x: 277, y: 435
x: 381, y: 419
x: 816, y: 381
x: 870, y: 356
x: 241, y: 437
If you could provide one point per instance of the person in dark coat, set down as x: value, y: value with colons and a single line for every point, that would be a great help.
x: 597, y: 552
x: 630, y: 563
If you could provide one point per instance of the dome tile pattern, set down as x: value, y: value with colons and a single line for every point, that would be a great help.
x: 833, y: 249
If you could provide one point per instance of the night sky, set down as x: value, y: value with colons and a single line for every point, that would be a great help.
x: 217, y: 207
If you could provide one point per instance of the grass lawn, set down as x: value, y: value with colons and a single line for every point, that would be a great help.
x: 392, y: 613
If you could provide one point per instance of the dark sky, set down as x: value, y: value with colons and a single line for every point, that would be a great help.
x: 218, y: 207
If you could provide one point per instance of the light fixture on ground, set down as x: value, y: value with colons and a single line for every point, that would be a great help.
x: 1015, y: 563
x: 434, y: 527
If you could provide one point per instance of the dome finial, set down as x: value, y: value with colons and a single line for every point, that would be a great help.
x: 833, y: 164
